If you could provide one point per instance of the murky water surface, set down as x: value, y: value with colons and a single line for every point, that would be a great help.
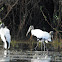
x: 29, y: 56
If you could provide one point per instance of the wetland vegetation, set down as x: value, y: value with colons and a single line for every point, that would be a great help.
x: 46, y: 15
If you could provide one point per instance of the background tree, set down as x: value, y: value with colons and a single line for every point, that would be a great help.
x: 18, y: 15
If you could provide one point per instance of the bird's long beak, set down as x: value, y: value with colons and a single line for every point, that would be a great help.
x: 28, y: 31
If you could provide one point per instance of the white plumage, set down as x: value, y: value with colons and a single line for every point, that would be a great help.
x: 41, y: 35
x: 5, y: 36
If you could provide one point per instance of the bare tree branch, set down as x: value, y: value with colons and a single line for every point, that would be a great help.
x: 49, y: 23
x: 11, y: 7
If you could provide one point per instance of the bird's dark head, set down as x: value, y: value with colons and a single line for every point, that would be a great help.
x: 30, y: 28
x: 2, y: 25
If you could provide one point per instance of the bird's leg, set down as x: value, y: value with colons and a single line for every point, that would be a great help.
x: 44, y: 46
x: 36, y: 46
x: 41, y: 45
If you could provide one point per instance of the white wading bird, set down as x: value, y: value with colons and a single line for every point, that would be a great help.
x: 42, y: 36
x: 5, y: 35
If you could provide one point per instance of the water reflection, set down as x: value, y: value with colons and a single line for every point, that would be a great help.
x: 43, y: 58
x: 5, y: 56
x: 29, y: 56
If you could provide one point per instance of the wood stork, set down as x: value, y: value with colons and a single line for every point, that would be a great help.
x: 5, y: 36
x: 42, y: 36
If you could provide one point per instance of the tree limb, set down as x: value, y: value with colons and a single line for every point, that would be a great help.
x: 10, y: 9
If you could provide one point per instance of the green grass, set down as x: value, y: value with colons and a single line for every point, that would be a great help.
x: 31, y: 43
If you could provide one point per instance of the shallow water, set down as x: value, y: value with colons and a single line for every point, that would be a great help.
x: 29, y: 56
